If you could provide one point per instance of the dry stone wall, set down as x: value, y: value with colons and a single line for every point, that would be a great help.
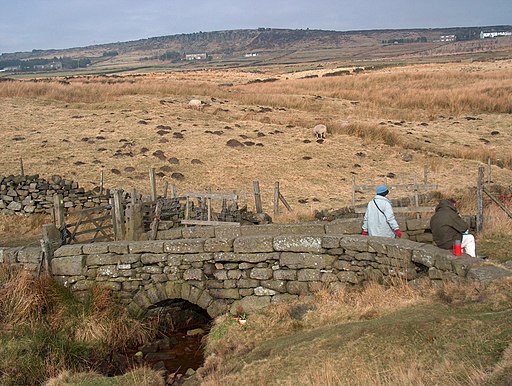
x: 224, y: 270
x: 32, y: 194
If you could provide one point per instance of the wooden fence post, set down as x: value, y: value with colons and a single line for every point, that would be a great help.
x: 425, y: 175
x: 489, y: 171
x: 353, y: 191
x: 101, y: 183
x: 276, y: 198
x: 152, y: 183
x: 166, y: 188
x: 118, y: 218
x: 257, y: 196
x: 480, y: 200
x: 173, y: 191
x: 58, y: 211
x: 21, y: 167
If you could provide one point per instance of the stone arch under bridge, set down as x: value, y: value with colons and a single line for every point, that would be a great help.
x: 154, y: 294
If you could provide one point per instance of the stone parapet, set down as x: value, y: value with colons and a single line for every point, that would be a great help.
x: 251, y: 271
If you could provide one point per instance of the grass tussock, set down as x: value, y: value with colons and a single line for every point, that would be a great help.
x: 142, y: 376
x: 459, y: 334
x: 45, y: 329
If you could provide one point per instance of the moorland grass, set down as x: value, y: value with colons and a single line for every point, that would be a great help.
x: 45, y: 329
x: 455, y: 335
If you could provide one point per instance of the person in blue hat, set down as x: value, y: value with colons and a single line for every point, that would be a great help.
x: 379, y: 218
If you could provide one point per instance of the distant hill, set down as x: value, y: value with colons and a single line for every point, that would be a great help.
x: 240, y: 42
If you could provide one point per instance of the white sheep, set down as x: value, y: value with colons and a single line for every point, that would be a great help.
x: 195, y: 104
x: 319, y: 131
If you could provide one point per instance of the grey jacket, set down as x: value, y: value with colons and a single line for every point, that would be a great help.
x: 378, y: 223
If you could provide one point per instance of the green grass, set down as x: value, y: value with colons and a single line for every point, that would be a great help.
x: 499, y: 247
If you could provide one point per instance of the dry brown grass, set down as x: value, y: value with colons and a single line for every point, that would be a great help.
x: 442, y: 114
x: 377, y: 336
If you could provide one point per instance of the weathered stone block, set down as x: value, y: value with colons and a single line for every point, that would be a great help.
x: 298, y: 243
x: 355, y: 243
x: 261, y: 273
x: 297, y: 288
x: 417, y: 224
x: 102, y: 259
x: 227, y: 232
x: 231, y: 293
x: 218, y: 245
x: 170, y: 234
x: 198, y: 232
x: 234, y: 274
x: 204, y: 300
x: 151, y: 269
x: 285, y: 274
x: 461, y: 265
x: 184, y: 246
x: 330, y: 242
x: 306, y: 260
x: 95, y: 248
x: 30, y: 255
x: 276, y: 285
x: 308, y: 275
x: 328, y: 277
x: 262, y: 291
x: 153, y: 246
x: 119, y: 247
x: 247, y: 283
x: 197, y: 257
x: 253, y: 244
x: 195, y: 294
x: 193, y: 274
x: 486, y: 274
x: 68, y: 250
x: 68, y: 265
x: 351, y: 226
x: 221, y: 275
x: 172, y: 289
x: 152, y: 258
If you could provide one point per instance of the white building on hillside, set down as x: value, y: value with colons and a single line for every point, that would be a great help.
x: 484, y: 35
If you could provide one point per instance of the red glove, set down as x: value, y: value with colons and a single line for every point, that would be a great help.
x: 364, y: 233
x: 398, y: 233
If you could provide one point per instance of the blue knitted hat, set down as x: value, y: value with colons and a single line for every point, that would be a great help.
x: 381, y: 189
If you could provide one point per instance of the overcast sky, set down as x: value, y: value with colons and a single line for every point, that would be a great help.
x: 45, y: 24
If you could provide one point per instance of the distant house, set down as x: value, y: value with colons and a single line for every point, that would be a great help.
x: 448, y: 38
x: 199, y: 56
x: 251, y: 54
x: 49, y: 66
x: 484, y: 35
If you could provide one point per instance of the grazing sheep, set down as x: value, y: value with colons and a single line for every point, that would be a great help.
x: 319, y: 131
x: 195, y: 104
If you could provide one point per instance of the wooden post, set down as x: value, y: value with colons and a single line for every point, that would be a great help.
x: 276, y: 198
x: 257, y: 196
x: 58, y: 211
x: 173, y: 191
x: 416, y: 198
x: 489, y: 171
x: 166, y: 188
x: 353, y: 191
x: 101, y: 183
x: 480, y: 200
x: 118, y: 214
x: 156, y: 220
x: 283, y: 200
x: 152, y: 184
x: 425, y: 175
x: 21, y: 167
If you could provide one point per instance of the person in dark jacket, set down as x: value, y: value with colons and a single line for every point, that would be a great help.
x: 447, y: 226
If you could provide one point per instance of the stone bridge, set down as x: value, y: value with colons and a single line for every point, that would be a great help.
x: 224, y: 268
